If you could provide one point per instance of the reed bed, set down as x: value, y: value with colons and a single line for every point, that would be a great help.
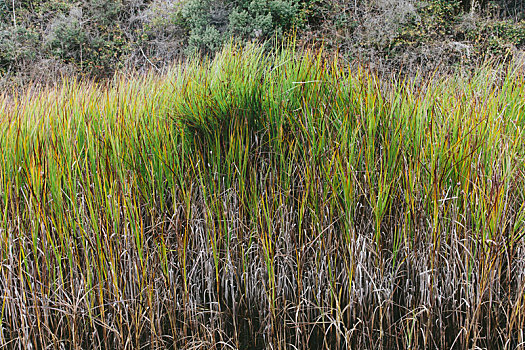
x: 265, y: 200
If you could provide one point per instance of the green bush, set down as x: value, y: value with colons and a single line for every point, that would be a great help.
x: 500, y: 37
x: 90, y: 37
x: 211, y: 23
x: 17, y: 44
x: 68, y: 37
x: 162, y: 36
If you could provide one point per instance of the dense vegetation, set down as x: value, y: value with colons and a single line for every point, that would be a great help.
x: 44, y: 40
x: 259, y: 200
x: 248, y: 197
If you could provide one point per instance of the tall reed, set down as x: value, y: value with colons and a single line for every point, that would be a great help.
x: 265, y: 200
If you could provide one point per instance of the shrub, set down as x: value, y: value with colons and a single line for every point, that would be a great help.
x: 211, y: 23
x: 90, y: 37
x: 17, y: 44
x: 68, y: 37
x: 161, y: 36
x: 500, y: 37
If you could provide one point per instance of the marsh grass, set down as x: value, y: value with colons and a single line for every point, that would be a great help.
x: 265, y: 200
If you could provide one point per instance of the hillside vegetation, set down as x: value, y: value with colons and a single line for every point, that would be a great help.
x: 42, y: 41
x: 260, y: 200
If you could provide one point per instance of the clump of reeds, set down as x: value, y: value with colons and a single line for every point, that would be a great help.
x: 264, y: 200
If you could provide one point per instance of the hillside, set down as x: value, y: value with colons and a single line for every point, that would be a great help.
x: 43, y: 41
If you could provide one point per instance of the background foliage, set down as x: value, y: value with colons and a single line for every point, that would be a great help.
x: 44, y: 40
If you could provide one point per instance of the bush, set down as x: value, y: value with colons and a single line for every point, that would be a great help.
x: 90, y: 36
x: 68, y: 37
x: 498, y: 37
x: 212, y: 23
x: 162, y: 35
x: 17, y: 45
